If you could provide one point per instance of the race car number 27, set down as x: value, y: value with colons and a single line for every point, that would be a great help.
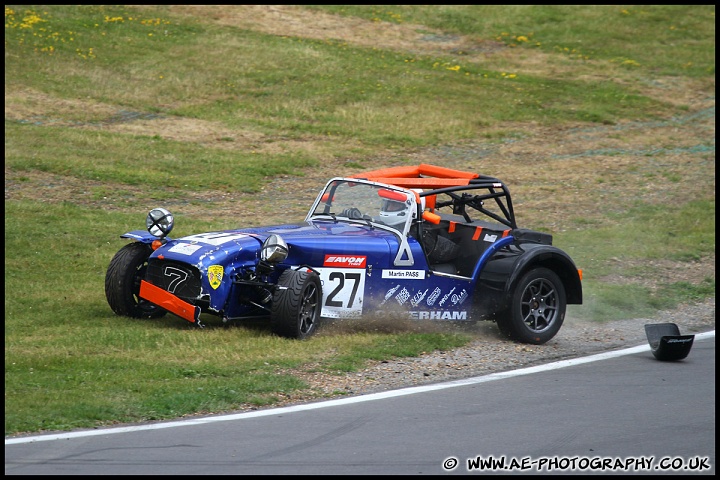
x: 343, y: 291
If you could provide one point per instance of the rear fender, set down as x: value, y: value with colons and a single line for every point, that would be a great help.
x: 503, y: 271
x: 552, y: 258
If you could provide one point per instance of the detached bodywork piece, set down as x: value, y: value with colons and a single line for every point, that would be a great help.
x: 666, y: 343
x: 423, y: 241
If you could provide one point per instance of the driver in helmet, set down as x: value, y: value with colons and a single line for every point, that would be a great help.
x: 393, y: 213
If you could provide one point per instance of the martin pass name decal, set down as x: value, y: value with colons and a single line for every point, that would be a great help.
x: 404, y: 274
x: 345, y: 261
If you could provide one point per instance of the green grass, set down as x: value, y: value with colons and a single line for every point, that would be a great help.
x: 640, y: 237
x: 283, y: 105
x: 292, y: 86
x: 605, y: 302
x: 669, y: 39
x: 646, y: 233
x: 146, y: 161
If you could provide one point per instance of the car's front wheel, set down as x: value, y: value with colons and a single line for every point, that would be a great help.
x: 537, y: 308
x: 296, y: 304
x: 122, y: 282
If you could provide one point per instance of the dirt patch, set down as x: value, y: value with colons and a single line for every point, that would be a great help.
x: 568, y: 174
x: 36, y: 107
x: 293, y: 21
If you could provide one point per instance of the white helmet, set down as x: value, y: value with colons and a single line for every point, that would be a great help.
x: 393, y: 213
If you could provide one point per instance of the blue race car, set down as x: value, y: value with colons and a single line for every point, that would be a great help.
x: 424, y: 241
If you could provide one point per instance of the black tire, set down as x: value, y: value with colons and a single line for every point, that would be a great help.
x: 122, y: 282
x: 537, y: 308
x: 296, y: 307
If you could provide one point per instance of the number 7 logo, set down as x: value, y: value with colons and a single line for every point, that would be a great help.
x: 178, y: 277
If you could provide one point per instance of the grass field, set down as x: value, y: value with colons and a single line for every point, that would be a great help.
x: 601, y: 120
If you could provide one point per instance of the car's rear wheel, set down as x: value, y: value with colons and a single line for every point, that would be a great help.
x: 122, y: 282
x: 537, y: 308
x: 296, y: 304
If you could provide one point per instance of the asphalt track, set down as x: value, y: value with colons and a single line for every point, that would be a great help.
x: 619, y: 412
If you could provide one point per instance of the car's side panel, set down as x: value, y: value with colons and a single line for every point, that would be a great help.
x: 345, y: 257
x: 418, y: 292
x: 432, y: 298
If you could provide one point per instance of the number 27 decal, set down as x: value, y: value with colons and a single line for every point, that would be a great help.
x: 343, y: 291
x: 340, y: 278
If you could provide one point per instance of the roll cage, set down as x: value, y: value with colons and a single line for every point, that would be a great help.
x: 445, y: 187
x: 446, y: 210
